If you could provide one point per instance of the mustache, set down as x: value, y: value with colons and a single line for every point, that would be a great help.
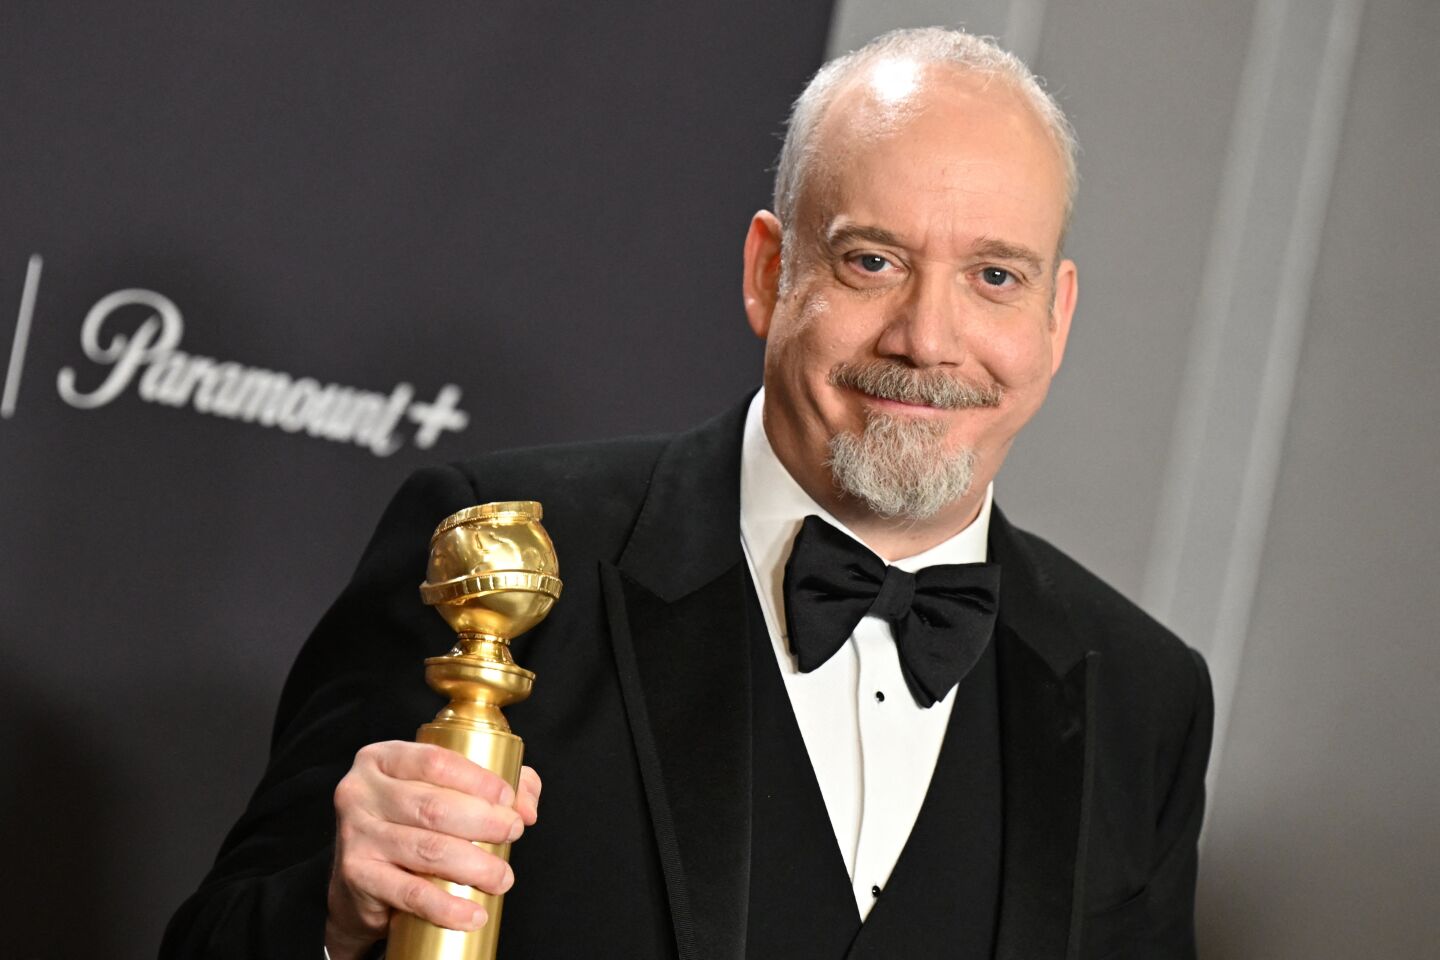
x: 932, y: 388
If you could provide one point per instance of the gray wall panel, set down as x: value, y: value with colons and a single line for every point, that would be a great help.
x: 1323, y: 840
x: 1150, y: 87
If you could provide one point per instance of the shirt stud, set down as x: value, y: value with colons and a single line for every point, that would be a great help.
x: 879, y: 696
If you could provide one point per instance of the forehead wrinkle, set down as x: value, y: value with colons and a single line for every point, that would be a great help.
x: 859, y: 115
x: 857, y: 125
x: 841, y: 232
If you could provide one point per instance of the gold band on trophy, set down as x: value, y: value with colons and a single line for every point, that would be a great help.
x: 492, y: 575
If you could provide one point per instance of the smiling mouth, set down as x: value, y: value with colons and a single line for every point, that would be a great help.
x: 901, y: 388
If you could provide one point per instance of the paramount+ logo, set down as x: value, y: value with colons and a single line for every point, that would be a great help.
x: 148, y: 359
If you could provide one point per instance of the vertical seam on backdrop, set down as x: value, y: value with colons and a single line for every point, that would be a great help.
x: 1216, y: 293
x: 1236, y: 584
x: 1023, y: 28
x: 1277, y: 388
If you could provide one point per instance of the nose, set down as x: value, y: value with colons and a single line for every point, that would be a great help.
x: 926, y: 327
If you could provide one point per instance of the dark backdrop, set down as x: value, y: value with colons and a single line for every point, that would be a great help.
x: 539, y: 205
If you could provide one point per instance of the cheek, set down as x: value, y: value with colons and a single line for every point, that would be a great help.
x: 807, y: 316
x: 1021, y: 361
x: 797, y: 336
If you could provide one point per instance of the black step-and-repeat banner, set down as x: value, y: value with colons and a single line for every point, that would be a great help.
x: 256, y: 264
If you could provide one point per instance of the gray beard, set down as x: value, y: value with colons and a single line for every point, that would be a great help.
x: 900, y: 468
x: 898, y: 465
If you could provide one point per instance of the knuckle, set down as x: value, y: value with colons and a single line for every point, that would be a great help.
x: 363, y: 878
x: 346, y: 793
x: 369, y: 755
x: 431, y: 847
x: 487, y: 784
x: 431, y: 811
x: 413, y: 893
x: 347, y: 832
x: 435, y: 765
x: 348, y: 871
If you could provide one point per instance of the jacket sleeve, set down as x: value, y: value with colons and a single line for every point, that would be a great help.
x: 1172, y: 886
x: 1159, y: 923
x: 357, y: 680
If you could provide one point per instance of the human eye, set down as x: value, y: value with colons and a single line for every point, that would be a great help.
x: 1000, y: 284
x: 998, y: 277
x: 870, y: 264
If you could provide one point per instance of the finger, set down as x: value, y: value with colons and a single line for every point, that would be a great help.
x: 439, y: 855
x: 428, y: 763
x: 405, y: 891
x: 447, y: 811
x: 527, y: 799
x: 353, y: 913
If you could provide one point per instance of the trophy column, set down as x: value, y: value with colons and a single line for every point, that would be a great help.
x: 492, y: 575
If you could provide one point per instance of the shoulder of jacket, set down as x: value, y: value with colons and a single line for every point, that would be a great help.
x: 1110, y: 621
x: 591, y: 492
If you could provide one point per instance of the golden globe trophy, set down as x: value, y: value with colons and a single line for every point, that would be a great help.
x: 492, y: 575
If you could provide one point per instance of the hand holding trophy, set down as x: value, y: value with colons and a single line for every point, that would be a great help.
x: 492, y: 574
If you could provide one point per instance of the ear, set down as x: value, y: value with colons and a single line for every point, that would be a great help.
x: 762, y: 270
x: 1067, y: 290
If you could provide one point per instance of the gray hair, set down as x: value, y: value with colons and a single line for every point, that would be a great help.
x: 899, y: 466
x: 927, y: 45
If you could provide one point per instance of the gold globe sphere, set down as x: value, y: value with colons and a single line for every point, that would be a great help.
x: 492, y: 570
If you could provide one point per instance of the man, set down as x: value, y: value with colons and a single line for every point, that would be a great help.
x: 760, y: 738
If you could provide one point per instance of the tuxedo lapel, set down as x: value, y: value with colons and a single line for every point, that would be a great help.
x: 1046, y: 684
x: 676, y: 605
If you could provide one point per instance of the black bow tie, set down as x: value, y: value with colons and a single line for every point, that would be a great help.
x: 942, y: 617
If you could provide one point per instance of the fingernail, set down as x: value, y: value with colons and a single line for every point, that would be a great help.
x: 507, y: 796
x: 478, y: 918
x: 516, y: 828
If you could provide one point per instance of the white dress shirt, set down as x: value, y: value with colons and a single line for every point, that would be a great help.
x: 873, y: 748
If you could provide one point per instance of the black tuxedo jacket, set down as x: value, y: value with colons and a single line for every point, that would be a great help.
x: 640, y: 726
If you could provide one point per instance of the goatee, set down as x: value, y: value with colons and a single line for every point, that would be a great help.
x: 899, y: 465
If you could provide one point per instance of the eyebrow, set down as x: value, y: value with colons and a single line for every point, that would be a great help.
x: 852, y: 232
x: 989, y: 247
x: 1004, y: 250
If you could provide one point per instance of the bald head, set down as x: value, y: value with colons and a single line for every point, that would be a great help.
x: 914, y: 256
x: 872, y: 92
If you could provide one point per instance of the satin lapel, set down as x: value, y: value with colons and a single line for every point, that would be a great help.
x: 1047, y: 683
x: 676, y: 609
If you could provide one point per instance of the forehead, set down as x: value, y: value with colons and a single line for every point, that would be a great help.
x: 936, y: 152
